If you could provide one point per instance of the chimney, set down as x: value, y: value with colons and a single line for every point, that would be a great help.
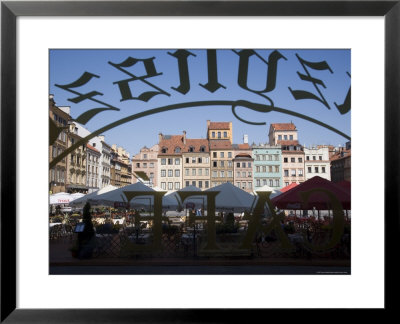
x: 160, y: 137
x: 184, y: 137
x: 101, y: 138
x: 208, y: 123
x: 245, y: 139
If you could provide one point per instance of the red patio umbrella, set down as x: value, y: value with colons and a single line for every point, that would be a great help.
x: 292, y: 198
x: 287, y: 188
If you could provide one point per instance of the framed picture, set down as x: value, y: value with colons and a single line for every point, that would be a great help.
x: 60, y: 34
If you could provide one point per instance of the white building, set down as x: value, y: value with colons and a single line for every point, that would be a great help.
x: 317, y: 162
x: 103, y: 176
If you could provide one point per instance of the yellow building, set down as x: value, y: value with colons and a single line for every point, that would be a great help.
x: 58, y: 174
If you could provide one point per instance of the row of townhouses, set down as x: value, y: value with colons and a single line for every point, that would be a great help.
x: 91, y: 166
x: 176, y: 161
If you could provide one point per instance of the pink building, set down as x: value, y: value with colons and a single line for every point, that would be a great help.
x: 144, y: 166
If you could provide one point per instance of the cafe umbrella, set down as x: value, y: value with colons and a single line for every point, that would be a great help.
x: 232, y: 198
x: 292, y: 199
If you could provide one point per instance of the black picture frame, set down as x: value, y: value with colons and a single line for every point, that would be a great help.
x: 10, y: 10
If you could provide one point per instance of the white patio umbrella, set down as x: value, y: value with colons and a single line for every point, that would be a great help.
x: 232, y: 198
x: 82, y: 200
x: 197, y: 201
x: 118, y: 196
x: 274, y: 192
x: 60, y: 198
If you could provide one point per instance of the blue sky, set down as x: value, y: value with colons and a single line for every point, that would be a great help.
x: 66, y: 66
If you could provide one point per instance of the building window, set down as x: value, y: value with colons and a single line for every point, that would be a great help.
x: 238, y: 174
x: 271, y: 183
x: 314, y: 157
x: 257, y: 157
x: 320, y: 157
x: 285, y: 160
x: 300, y: 172
x: 170, y: 185
x: 177, y: 185
x: 177, y: 149
x: 250, y: 185
x: 276, y: 182
x: 264, y: 182
x: 293, y: 172
x: 207, y: 184
x: 229, y: 174
x: 170, y: 161
x: 264, y: 169
x: 177, y: 173
x: 144, y: 165
x: 222, y: 164
x: 291, y: 137
x: 187, y: 184
x: 292, y: 160
x: 238, y: 164
x: 163, y: 161
x: 214, y: 154
x: 285, y: 137
x: 213, y: 134
x: 323, y: 169
x: 193, y: 172
x: 308, y: 158
x: 200, y: 171
x: 300, y: 160
x: 202, y: 149
x: 193, y: 160
x: 164, y: 150
x: 163, y: 173
x: 222, y: 174
x: 229, y: 164
x: 219, y: 134
x: 207, y: 172
x: 221, y: 154
x: 200, y: 184
x: 238, y: 184
x: 309, y: 169
x: 194, y: 183
x: 244, y: 174
x: 186, y: 172
x: 243, y: 185
x: 191, y: 149
x: 225, y: 134
x: 215, y: 174
x: 163, y: 187
x: 316, y: 169
x: 177, y: 161
x: 207, y: 160
x: 279, y: 137
x: 215, y: 164
x: 199, y: 160
x: 258, y: 184
x: 230, y: 155
x: 257, y: 169
x: 170, y: 173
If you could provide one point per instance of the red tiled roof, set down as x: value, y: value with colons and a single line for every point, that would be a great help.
x: 92, y: 148
x: 244, y: 146
x: 337, y: 155
x: 196, y: 144
x: 218, y: 125
x: 287, y: 143
x: 170, y: 142
x: 283, y: 126
x: 220, y: 145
